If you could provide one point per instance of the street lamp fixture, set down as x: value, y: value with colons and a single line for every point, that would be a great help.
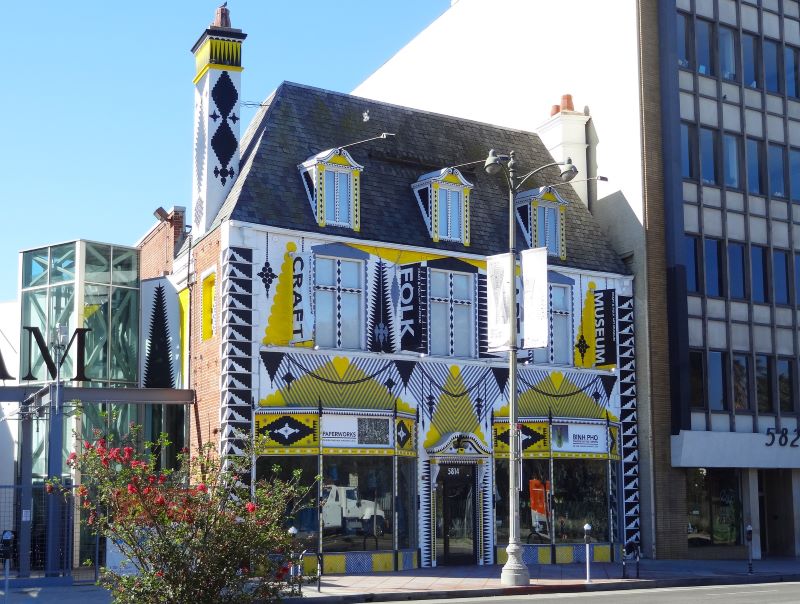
x: 515, y: 572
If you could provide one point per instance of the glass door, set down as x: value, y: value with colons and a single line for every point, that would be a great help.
x: 455, y: 515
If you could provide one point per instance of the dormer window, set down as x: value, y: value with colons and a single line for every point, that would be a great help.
x: 443, y: 198
x: 540, y: 214
x: 331, y: 180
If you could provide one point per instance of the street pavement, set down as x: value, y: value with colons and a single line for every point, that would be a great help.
x: 472, y: 582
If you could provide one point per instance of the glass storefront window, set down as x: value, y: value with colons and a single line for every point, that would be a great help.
x: 579, y: 495
x: 96, y: 309
x: 356, y: 503
x: 124, y: 334
x: 34, y: 314
x: 306, y: 520
x: 125, y: 265
x: 406, y: 503
x: 714, y: 507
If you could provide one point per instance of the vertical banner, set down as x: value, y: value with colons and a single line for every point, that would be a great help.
x: 410, y: 309
x: 160, y: 363
x: 535, y: 298
x: 605, y: 328
x: 498, y: 300
x: 302, y: 319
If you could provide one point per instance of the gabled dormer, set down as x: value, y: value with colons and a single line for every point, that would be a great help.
x: 331, y: 179
x: 541, y: 216
x: 443, y: 197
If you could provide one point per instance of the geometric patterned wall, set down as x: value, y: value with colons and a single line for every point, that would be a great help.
x: 628, y: 419
x: 238, y: 358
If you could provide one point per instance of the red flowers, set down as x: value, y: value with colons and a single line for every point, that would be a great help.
x: 202, y: 488
x: 250, y: 507
x: 132, y: 488
x: 71, y: 459
x: 48, y: 488
x: 159, y: 500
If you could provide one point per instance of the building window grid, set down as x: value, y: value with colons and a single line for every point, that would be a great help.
x: 451, y: 302
x: 338, y: 290
x: 340, y: 216
x: 451, y: 212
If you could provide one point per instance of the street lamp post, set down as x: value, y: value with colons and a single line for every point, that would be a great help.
x: 515, y: 572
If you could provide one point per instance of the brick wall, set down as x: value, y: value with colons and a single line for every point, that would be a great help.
x: 204, y: 365
x: 669, y: 484
x: 159, y: 245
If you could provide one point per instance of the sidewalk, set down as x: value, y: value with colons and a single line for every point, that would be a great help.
x: 481, y: 581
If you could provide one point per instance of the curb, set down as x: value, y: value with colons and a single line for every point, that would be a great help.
x: 613, y: 585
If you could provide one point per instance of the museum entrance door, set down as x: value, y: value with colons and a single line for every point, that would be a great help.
x: 455, y: 515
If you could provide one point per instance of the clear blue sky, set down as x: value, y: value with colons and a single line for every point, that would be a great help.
x: 97, y: 100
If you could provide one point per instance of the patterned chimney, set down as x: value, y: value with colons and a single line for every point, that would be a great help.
x: 217, y: 81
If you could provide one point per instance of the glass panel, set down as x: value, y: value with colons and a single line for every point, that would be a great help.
x: 62, y: 263
x: 462, y: 287
x: 758, y: 275
x: 125, y: 335
x: 462, y: 330
x: 684, y: 41
x: 714, y: 507
x: 580, y: 491
x: 780, y: 276
x: 356, y: 503
x: 35, y: 268
x: 741, y: 382
x: 351, y: 320
x: 696, y: 395
x: 716, y: 381
x: 406, y: 503
x: 125, y: 265
x: 713, y: 268
x: 439, y: 284
x: 98, y: 263
x: 707, y: 152
x: 559, y: 298
x: 325, y: 271
x: 351, y: 274
x: 777, y: 165
x: 750, y: 61
x: 764, y: 383
x: 688, y: 151
x: 797, y: 276
x: 692, y: 274
x: 727, y: 53
x: 306, y: 520
x: 794, y: 171
x: 62, y: 311
x: 704, y: 36
x: 344, y: 198
x: 790, y: 71
x: 34, y: 314
x: 754, y: 171
x: 562, y: 339
x: 541, y: 225
x: 736, y: 270
x: 330, y: 196
x: 440, y: 329
x: 325, y: 333
x: 772, y: 68
x: 785, y: 385
x: 455, y: 514
x: 96, y: 313
x: 732, y: 154
x: 455, y: 215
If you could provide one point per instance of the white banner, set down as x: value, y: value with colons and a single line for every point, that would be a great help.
x: 354, y: 431
x: 302, y: 319
x: 535, y: 297
x: 580, y: 438
x: 498, y: 286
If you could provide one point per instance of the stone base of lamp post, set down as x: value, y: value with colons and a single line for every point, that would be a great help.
x: 515, y: 572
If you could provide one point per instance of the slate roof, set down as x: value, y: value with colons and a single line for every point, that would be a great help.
x: 297, y: 122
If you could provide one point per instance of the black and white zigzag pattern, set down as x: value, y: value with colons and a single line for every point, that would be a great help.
x: 236, y: 387
x: 427, y: 532
x: 628, y: 419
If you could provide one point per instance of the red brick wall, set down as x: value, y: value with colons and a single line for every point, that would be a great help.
x: 159, y: 245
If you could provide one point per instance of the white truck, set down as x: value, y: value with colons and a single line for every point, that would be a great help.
x: 344, y: 511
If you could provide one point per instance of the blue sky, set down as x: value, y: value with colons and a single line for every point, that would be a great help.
x: 97, y: 100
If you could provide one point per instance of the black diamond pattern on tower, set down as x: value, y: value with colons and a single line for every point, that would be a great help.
x: 224, y: 142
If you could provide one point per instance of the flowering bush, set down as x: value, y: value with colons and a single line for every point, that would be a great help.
x: 192, y: 535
